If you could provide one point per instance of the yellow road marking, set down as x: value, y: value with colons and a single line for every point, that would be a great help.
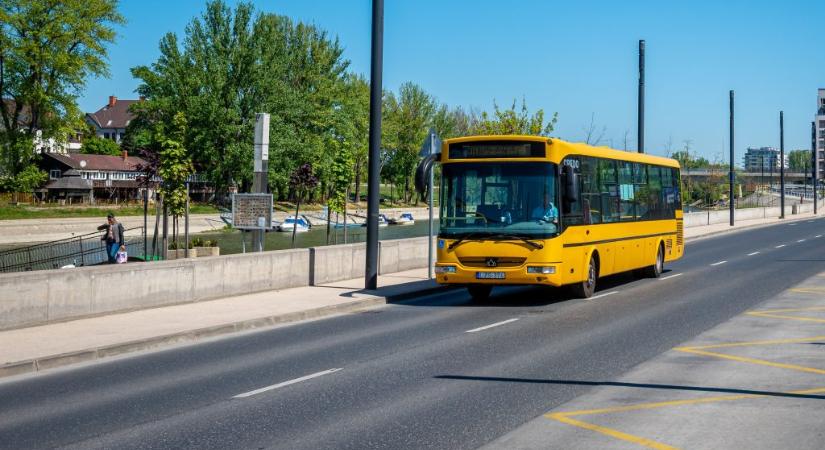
x: 752, y: 343
x: 754, y: 361
x: 649, y: 443
x: 784, y: 310
x: 778, y: 316
x: 808, y: 290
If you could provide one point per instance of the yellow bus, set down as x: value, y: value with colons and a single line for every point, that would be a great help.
x: 520, y: 210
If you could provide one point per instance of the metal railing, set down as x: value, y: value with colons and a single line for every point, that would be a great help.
x: 84, y: 250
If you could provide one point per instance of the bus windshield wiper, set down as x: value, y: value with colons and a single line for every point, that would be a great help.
x: 477, y: 234
x: 520, y: 237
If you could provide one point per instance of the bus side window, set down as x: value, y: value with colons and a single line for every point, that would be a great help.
x: 572, y: 211
x: 656, y: 207
x: 641, y: 195
x: 627, y: 205
x: 609, y: 190
x: 591, y: 199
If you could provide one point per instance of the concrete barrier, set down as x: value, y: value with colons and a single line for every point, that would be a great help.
x: 403, y: 254
x: 31, y: 298
x: 697, y: 219
x: 336, y: 262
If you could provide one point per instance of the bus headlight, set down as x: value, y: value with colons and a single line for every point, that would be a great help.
x: 444, y: 269
x: 544, y: 270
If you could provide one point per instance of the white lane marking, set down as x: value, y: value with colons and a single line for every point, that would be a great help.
x: 754, y: 253
x: 491, y: 325
x: 810, y: 221
x: 718, y: 263
x: 671, y: 276
x: 801, y: 240
x: 603, y: 295
x: 791, y: 224
x: 286, y: 383
x: 780, y: 246
x: 818, y: 236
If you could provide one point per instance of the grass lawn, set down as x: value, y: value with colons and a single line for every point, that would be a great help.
x: 57, y: 212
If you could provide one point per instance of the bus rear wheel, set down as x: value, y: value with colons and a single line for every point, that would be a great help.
x: 479, y: 292
x: 586, y: 288
x: 658, y: 266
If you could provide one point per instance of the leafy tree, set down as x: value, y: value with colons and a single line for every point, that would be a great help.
x: 29, y: 179
x: 99, y: 146
x: 302, y: 180
x: 48, y: 48
x: 799, y: 160
x: 232, y: 64
x: 510, y: 121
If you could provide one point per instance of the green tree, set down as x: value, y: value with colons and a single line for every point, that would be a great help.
x: 99, y: 146
x: 48, y: 48
x: 407, y: 119
x: 232, y: 64
x: 799, y: 160
x: 302, y: 180
x: 510, y: 121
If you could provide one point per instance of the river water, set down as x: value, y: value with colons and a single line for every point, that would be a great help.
x: 231, y: 242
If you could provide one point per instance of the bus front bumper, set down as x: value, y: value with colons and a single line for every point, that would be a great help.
x: 548, y: 274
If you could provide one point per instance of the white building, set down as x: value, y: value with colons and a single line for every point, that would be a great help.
x: 820, y: 134
x: 758, y: 159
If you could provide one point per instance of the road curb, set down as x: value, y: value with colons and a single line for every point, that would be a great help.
x: 189, y: 336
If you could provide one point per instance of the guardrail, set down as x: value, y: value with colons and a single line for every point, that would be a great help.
x: 77, y: 251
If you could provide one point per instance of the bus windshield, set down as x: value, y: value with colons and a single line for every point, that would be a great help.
x: 516, y: 198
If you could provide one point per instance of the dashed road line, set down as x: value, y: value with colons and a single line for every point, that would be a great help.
x: 780, y: 246
x: 818, y: 236
x: 801, y: 240
x: 603, y: 295
x: 286, y: 383
x: 503, y: 322
x: 718, y: 263
x: 791, y: 224
x: 671, y: 276
x: 754, y: 253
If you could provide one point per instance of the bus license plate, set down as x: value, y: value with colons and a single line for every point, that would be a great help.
x: 490, y: 275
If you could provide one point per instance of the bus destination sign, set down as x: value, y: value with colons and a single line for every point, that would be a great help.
x: 497, y: 149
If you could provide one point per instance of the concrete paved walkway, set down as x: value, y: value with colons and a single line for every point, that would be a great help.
x: 53, y: 345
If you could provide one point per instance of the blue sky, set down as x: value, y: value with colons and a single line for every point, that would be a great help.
x: 577, y: 58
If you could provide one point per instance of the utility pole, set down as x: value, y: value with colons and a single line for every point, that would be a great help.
x: 260, y: 184
x: 186, y: 224
x: 640, y: 143
x: 374, y: 175
x: 782, y: 163
x: 813, y: 161
x: 731, y: 174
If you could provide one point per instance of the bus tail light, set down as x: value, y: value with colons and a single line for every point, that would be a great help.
x: 544, y: 270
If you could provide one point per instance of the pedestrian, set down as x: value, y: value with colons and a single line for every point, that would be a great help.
x: 113, y: 237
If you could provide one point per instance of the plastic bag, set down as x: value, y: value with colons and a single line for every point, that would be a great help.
x: 122, y: 256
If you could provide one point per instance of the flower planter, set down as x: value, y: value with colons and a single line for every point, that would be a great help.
x: 180, y: 254
x: 206, y: 251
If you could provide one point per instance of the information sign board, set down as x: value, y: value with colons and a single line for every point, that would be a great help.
x: 249, y: 209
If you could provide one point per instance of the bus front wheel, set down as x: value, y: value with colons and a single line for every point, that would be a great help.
x: 586, y: 288
x: 479, y: 292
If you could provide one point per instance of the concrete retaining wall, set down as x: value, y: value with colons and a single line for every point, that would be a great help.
x: 403, y: 254
x: 336, y: 262
x: 698, y: 219
x: 30, y: 298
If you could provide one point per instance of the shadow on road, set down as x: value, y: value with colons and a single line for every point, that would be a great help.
x: 631, y: 385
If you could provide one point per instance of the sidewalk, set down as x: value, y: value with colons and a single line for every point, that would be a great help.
x: 48, y: 346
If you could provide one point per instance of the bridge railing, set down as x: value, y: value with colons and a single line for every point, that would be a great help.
x: 83, y: 250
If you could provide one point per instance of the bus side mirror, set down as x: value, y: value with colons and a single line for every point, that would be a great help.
x: 571, y: 185
x: 422, y: 172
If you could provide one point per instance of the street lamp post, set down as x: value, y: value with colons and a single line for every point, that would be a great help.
x: 374, y: 175
x: 782, y: 163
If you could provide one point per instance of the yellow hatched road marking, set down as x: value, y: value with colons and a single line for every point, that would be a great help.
x: 774, y: 311
x: 778, y: 316
x: 754, y: 361
x: 808, y: 290
x: 649, y: 443
x: 752, y: 343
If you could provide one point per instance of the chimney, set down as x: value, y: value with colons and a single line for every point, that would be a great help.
x: 112, y: 100
x: 124, y: 154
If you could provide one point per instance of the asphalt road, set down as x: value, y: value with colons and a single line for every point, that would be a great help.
x: 430, y: 373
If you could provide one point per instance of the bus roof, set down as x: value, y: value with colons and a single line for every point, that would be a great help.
x: 564, y: 148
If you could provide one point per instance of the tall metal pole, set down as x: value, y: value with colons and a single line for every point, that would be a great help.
x: 145, y: 221
x: 260, y: 184
x: 186, y: 225
x: 731, y: 175
x: 813, y: 160
x: 640, y: 144
x: 761, y: 181
x: 374, y: 175
x: 782, y: 163
x: 430, y: 223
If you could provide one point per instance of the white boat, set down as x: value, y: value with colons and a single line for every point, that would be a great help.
x: 405, y: 219
x: 300, y: 225
x: 382, y: 220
